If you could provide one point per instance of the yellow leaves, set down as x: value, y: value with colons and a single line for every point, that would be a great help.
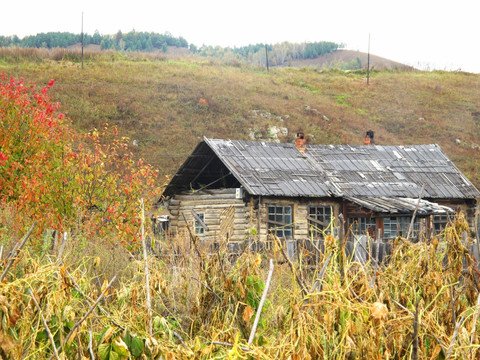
x: 258, y: 260
x: 69, y: 313
x: 107, y: 335
x: 121, y: 348
x: 72, y: 336
x: 96, y: 262
x: 436, y: 352
x: 233, y: 353
x: 350, y: 343
x: 328, y: 319
x: 159, y: 283
x: 241, y: 288
x: 133, y: 296
x: 379, y: 311
x: 104, y: 286
x: 151, y: 346
x: 247, y: 313
x: 330, y: 241
x: 6, y: 343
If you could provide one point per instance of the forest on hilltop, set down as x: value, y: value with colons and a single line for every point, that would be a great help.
x: 278, y: 54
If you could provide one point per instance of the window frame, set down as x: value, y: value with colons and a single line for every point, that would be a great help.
x: 199, y: 230
x: 314, y: 229
x: 402, y: 224
x: 361, y: 224
x: 441, y: 224
x: 280, y: 221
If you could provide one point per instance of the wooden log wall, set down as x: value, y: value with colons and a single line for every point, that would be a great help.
x: 299, y: 211
x: 215, y: 205
x: 468, y: 208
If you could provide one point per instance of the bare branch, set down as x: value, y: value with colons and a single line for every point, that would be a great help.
x: 16, y: 251
x: 50, y: 336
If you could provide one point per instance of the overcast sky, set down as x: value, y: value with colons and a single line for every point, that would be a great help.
x: 428, y: 34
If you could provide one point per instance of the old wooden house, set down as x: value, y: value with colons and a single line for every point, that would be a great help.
x: 234, y: 190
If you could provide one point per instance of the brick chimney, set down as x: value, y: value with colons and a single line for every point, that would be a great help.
x: 369, y: 138
x: 301, y: 142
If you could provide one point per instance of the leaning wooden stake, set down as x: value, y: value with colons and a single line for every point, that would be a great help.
x: 47, y: 329
x: 260, y: 306
x: 454, y: 337
x: 17, y: 250
x: 90, y: 345
x: 412, y: 222
x: 318, y: 282
x: 147, y: 277
x: 290, y: 264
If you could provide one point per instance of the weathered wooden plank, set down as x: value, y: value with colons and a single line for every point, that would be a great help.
x: 209, y: 192
x: 209, y: 205
x: 206, y: 197
x: 216, y: 228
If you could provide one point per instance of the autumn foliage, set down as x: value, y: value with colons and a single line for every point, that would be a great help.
x: 63, y: 180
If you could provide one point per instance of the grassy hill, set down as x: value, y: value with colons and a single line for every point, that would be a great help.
x: 340, y: 58
x: 166, y: 105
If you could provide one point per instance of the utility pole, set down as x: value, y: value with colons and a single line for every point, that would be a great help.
x: 368, y: 61
x: 82, y: 40
x: 266, y: 55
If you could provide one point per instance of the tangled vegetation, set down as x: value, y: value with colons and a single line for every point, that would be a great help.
x: 422, y: 303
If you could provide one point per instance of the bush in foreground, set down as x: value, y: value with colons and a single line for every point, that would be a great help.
x: 63, y: 180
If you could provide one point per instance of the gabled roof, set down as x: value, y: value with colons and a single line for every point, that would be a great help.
x: 271, y: 169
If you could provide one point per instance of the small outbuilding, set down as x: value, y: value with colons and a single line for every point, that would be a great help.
x: 233, y: 189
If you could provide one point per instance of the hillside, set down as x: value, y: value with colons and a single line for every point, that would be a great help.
x: 167, y: 105
x: 339, y: 57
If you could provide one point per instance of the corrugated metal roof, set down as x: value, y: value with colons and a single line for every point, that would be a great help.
x: 343, y: 170
x: 272, y: 169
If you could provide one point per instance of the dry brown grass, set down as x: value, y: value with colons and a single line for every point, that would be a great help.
x: 158, y: 102
x: 204, y: 304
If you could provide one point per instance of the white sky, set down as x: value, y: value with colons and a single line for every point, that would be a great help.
x: 428, y: 34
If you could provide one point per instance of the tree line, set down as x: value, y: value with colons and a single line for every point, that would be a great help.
x: 131, y: 41
x: 278, y: 54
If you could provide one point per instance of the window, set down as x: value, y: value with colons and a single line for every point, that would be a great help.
x: 398, y: 226
x: 441, y: 221
x: 280, y: 222
x: 319, y: 217
x: 390, y: 227
x: 363, y: 225
x: 199, y: 230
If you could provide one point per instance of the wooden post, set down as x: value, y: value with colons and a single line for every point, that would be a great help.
x: 266, y: 55
x: 259, y: 215
x: 82, y: 40
x: 368, y: 61
x: 147, y: 280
